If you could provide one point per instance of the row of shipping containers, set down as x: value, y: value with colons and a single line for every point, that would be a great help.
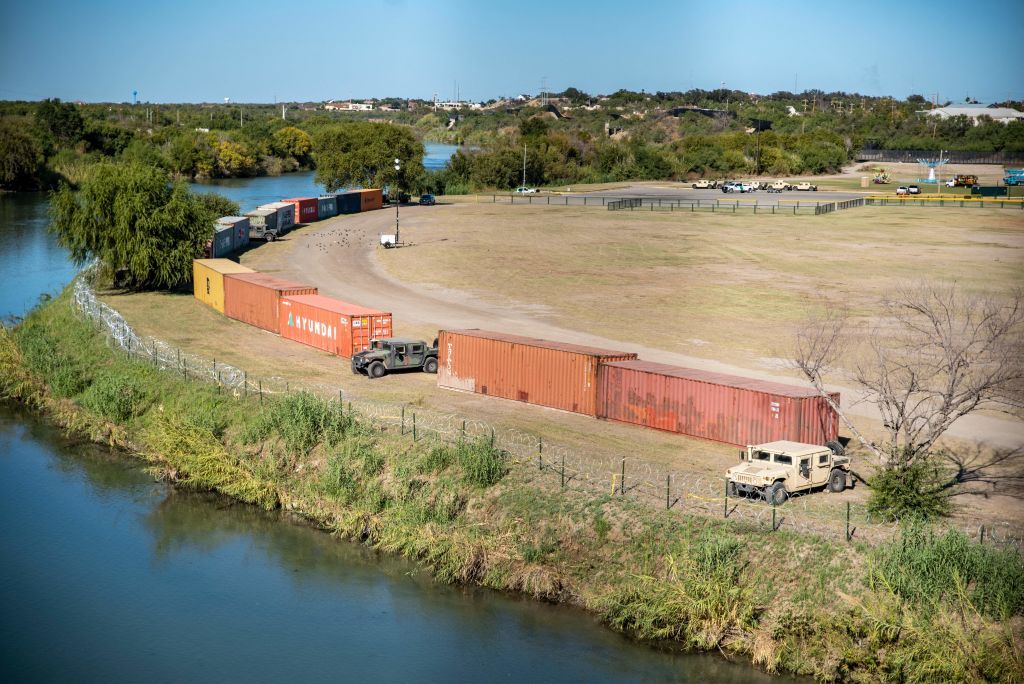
x: 295, y: 311
x: 232, y: 233
x: 618, y: 386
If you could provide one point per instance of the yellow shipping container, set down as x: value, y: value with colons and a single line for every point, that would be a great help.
x: 208, y: 279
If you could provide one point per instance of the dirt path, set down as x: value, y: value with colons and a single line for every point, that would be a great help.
x: 341, y: 257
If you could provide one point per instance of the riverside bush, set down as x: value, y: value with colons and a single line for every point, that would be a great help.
x: 119, y: 395
x: 911, y: 491
x: 302, y: 420
x: 927, y: 568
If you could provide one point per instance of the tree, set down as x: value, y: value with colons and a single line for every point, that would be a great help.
x: 293, y: 142
x: 61, y: 120
x: 21, y: 157
x: 937, y: 355
x: 364, y: 153
x: 233, y: 159
x: 144, y: 230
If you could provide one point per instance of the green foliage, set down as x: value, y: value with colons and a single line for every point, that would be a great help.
x: 36, y: 340
x: 293, y: 142
x: 917, y: 490
x: 363, y: 154
x: 119, y: 395
x: 929, y: 569
x: 21, y: 156
x: 60, y: 121
x: 302, y: 420
x: 142, y: 228
x: 482, y: 465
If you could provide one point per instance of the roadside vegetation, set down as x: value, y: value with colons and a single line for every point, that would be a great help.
x: 924, y: 607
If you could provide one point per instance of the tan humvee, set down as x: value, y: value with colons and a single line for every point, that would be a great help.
x: 777, y: 469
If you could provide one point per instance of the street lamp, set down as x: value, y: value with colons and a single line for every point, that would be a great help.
x: 398, y: 197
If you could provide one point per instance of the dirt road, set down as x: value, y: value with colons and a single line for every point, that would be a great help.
x: 342, y: 258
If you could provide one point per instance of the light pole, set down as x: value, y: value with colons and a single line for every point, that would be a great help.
x: 398, y: 167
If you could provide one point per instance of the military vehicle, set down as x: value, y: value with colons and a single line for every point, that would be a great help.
x: 705, y: 184
x: 806, y: 187
x: 779, y: 186
x: 395, y: 353
x: 775, y: 470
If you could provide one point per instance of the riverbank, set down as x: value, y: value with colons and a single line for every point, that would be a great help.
x: 471, y: 514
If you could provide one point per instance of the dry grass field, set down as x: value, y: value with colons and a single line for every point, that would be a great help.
x: 723, y: 287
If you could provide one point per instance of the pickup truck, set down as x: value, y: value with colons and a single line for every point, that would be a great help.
x: 806, y: 186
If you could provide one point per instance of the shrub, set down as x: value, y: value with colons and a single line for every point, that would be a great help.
x: 482, y: 464
x: 924, y: 567
x: 911, y: 491
x: 302, y: 420
x: 118, y: 395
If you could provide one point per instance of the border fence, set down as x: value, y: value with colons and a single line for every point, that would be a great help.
x: 658, y: 485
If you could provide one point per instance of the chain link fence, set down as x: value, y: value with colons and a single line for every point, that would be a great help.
x: 822, y: 513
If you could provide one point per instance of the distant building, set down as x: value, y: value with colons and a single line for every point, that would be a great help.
x: 349, y: 106
x: 975, y: 111
x: 450, y: 105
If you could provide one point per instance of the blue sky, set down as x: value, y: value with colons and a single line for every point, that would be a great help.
x: 260, y: 51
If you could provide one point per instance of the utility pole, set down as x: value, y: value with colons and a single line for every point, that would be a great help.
x: 283, y: 109
x: 398, y: 167
x: 524, y: 165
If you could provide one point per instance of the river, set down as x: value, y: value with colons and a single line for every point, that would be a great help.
x: 108, y: 575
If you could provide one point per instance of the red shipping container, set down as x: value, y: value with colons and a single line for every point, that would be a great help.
x: 254, y: 298
x: 334, y: 326
x: 305, y: 209
x: 554, y: 374
x: 715, y: 406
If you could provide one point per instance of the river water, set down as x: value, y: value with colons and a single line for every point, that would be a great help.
x: 108, y: 575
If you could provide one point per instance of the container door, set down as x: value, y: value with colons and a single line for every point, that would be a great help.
x: 361, y: 333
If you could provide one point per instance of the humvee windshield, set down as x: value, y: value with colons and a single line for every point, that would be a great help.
x: 762, y: 456
x: 783, y: 458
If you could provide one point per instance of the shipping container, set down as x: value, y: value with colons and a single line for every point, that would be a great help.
x: 714, y: 406
x: 208, y: 280
x: 334, y: 326
x: 305, y: 209
x: 285, y: 215
x: 371, y: 199
x: 326, y: 206
x: 262, y: 221
x: 554, y: 374
x: 255, y: 298
x: 349, y: 202
x: 239, y: 230
x: 221, y: 243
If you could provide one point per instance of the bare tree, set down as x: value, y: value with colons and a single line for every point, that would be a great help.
x: 937, y: 355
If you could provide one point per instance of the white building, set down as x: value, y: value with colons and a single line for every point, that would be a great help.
x: 450, y: 105
x: 974, y: 111
x: 349, y: 106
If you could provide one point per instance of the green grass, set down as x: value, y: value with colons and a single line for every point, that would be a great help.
x: 468, y: 514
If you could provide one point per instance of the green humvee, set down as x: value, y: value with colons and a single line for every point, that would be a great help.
x: 395, y: 353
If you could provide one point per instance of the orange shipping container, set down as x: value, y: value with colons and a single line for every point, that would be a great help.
x: 255, y: 298
x: 554, y: 374
x: 334, y: 326
x: 305, y: 209
x: 715, y: 406
x: 371, y: 199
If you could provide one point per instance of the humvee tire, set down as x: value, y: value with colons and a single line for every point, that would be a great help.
x: 776, y: 494
x: 430, y: 366
x: 376, y: 370
x: 836, y: 481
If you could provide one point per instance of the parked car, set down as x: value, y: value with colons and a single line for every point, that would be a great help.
x: 427, y: 200
x: 729, y: 186
x: 913, y: 190
x: 526, y: 191
x: 902, y: 190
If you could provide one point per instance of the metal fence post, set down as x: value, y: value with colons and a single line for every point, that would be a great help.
x: 981, y: 535
x: 462, y: 435
x: 245, y: 384
x: 414, y: 426
x: 261, y: 391
x: 403, y: 419
x: 540, y: 453
x: 492, y: 438
x: 847, y: 521
x: 773, y: 515
x: 563, y: 471
x: 668, y: 492
x: 725, y: 509
x: 622, y: 484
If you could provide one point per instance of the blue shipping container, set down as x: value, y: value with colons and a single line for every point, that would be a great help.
x: 326, y: 206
